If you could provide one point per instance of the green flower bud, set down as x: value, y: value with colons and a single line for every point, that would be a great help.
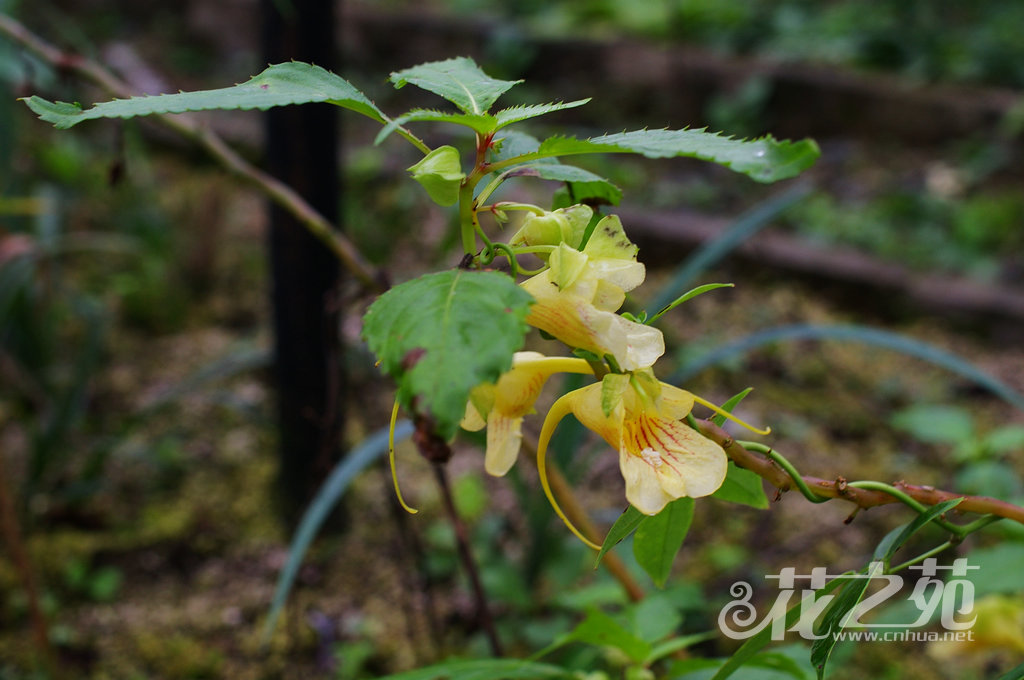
x: 440, y: 173
x: 566, y: 225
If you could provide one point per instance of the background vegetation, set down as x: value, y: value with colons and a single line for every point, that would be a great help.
x: 135, y: 421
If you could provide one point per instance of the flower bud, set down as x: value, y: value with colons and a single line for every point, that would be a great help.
x: 565, y: 225
x: 440, y: 173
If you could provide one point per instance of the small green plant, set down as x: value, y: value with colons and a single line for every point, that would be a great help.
x: 452, y: 344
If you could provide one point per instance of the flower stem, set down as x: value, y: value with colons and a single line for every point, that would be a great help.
x: 483, y: 612
x: 23, y: 566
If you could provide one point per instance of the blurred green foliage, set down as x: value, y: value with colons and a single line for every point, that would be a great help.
x: 976, y: 42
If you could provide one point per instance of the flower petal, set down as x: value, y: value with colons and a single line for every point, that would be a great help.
x: 643, y: 488
x: 685, y: 462
x: 504, y: 437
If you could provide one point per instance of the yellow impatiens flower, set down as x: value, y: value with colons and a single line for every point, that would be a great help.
x: 501, y: 406
x: 661, y: 457
x: 577, y: 296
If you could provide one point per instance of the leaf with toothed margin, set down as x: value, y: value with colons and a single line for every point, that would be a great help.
x: 482, y: 123
x: 478, y: 122
x: 279, y: 85
x: 516, y: 114
x: 764, y: 159
x: 441, y: 335
x: 458, y: 80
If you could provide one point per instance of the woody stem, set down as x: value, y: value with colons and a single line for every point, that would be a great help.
x: 784, y: 477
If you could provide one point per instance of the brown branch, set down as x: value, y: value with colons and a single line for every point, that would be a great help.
x: 577, y: 514
x: 23, y: 566
x: 840, y: 488
x: 277, y: 191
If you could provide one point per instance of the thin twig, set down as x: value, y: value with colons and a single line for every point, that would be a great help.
x: 483, y: 612
x: 277, y: 191
x: 854, y: 492
x: 23, y: 565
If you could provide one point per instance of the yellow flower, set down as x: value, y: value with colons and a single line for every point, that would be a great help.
x: 661, y: 458
x: 577, y: 296
x: 501, y: 406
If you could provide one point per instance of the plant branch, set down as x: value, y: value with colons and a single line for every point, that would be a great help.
x: 861, y: 494
x: 483, y: 612
x: 277, y: 191
x: 576, y: 513
x: 23, y: 566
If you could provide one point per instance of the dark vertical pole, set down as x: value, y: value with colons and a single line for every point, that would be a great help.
x: 302, y: 150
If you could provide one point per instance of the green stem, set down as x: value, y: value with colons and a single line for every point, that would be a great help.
x: 781, y: 461
x: 922, y: 557
x: 467, y: 216
x: 905, y: 498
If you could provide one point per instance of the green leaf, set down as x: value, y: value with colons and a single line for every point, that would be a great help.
x: 513, y: 144
x: 689, y: 295
x: 764, y: 159
x: 999, y: 569
x: 654, y: 618
x: 485, y: 669
x: 516, y: 114
x: 279, y: 85
x: 750, y: 648
x: 584, y: 184
x: 936, y: 424
x: 441, y: 335
x: 478, y: 122
x: 674, y: 644
x: 895, y: 539
x: 742, y: 486
x: 729, y: 405
x: 595, y: 193
x: 835, y: 617
x: 600, y: 629
x: 624, y: 526
x: 660, y: 537
x: 458, y: 80
x: 1015, y: 673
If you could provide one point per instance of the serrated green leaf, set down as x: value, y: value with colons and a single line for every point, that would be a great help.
x: 279, y: 85
x: 485, y: 669
x: 764, y: 159
x: 515, y: 114
x: 623, y: 527
x: 742, y: 486
x: 659, y: 538
x: 478, y: 122
x: 458, y: 80
x: 441, y: 335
